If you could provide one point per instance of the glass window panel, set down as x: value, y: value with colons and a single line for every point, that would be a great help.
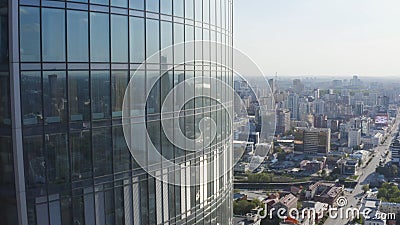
x: 189, y: 9
x: 77, y: 40
x: 31, y: 97
x: 29, y: 34
x: 119, y: 3
x: 53, y: 34
x: 178, y: 8
x: 109, y: 207
x: 78, y: 94
x: 166, y: 7
x: 119, y: 38
x: 152, y: 40
x: 81, y: 154
x: 166, y: 41
x: 5, y: 113
x: 100, y: 2
x: 78, y: 210
x: 7, y: 172
x: 206, y: 11
x: 212, y: 11
x: 137, y: 42
x: 99, y: 37
x: 55, y: 96
x: 119, y: 80
x: 152, y: 5
x: 136, y: 4
x: 198, y: 10
x: 57, y: 157
x: 4, y: 35
x: 119, y: 205
x: 35, y: 161
x: 102, y: 151
x: 179, y: 35
x: 121, y: 152
x: 100, y: 93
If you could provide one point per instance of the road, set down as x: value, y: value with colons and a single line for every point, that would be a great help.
x: 365, y: 177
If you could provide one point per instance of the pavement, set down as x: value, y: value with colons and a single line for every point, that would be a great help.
x: 367, y: 174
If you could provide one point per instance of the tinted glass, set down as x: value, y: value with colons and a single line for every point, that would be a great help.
x: 100, y: 92
x: 78, y: 94
x: 102, y: 151
x: 56, y: 146
x: 137, y: 43
x: 152, y: 5
x: 166, y: 7
x: 29, y: 34
x: 53, y: 34
x: 99, y: 37
x: 5, y: 114
x: 31, y: 97
x: 119, y: 3
x: 119, y: 38
x: 55, y: 97
x: 100, y: 2
x: 81, y: 158
x: 77, y: 36
x: 178, y: 8
x: 152, y: 39
x: 119, y: 80
x: 136, y: 4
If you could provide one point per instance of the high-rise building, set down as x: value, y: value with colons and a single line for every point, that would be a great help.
x: 282, y: 121
x: 293, y: 105
x: 312, y: 140
x: 354, y: 138
x: 64, y: 69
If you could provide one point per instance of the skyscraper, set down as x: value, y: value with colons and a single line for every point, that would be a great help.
x: 65, y: 66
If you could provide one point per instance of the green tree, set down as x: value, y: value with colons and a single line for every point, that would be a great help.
x: 365, y: 188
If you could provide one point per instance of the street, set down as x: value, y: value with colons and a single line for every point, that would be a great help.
x: 366, y: 175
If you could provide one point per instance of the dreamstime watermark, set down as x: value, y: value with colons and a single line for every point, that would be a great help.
x: 334, y: 212
x: 181, y: 114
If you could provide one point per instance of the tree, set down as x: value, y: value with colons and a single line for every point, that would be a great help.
x: 365, y: 188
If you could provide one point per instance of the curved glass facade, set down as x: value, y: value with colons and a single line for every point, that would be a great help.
x: 75, y: 61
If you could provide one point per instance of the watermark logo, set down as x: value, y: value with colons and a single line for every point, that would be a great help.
x: 181, y: 113
x: 341, y: 201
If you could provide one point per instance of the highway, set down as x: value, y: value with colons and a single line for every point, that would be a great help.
x: 366, y: 175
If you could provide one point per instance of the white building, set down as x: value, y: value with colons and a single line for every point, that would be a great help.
x: 354, y: 138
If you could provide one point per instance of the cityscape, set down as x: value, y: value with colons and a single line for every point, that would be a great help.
x: 160, y: 112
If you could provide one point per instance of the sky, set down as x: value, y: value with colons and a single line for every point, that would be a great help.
x: 320, y: 37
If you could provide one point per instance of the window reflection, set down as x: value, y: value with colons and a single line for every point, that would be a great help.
x: 4, y: 32
x: 100, y: 2
x: 178, y: 8
x: 189, y: 9
x: 121, y: 152
x: 100, y: 92
x: 57, y: 155
x: 53, y: 34
x: 77, y: 31
x: 119, y: 38
x: 119, y: 81
x: 35, y: 160
x: 29, y: 34
x: 55, y: 97
x: 81, y: 154
x: 31, y: 97
x: 137, y: 43
x: 136, y: 4
x: 152, y: 5
x: 5, y: 114
x: 152, y: 40
x: 166, y: 7
x: 119, y: 3
x: 99, y: 37
x: 78, y: 93
x: 102, y: 151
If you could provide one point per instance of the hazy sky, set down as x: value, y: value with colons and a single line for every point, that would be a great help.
x: 320, y: 37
